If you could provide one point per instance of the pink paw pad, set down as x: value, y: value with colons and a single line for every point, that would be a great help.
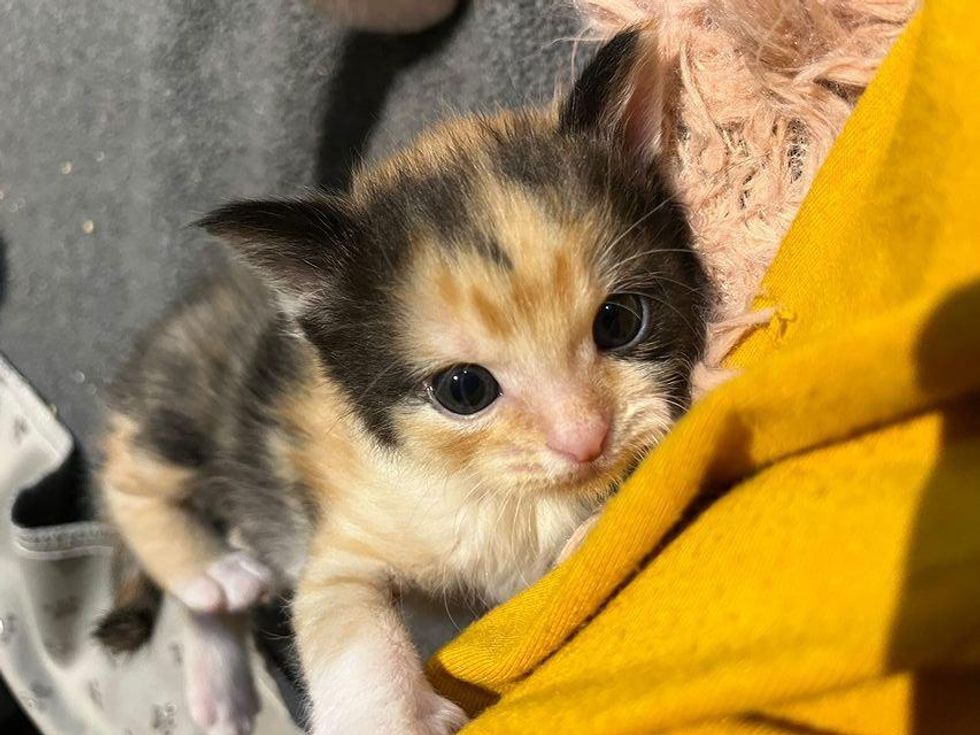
x: 234, y: 582
x: 221, y: 694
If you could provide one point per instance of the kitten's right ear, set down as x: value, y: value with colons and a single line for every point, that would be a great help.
x: 295, y: 244
x: 620, y: 96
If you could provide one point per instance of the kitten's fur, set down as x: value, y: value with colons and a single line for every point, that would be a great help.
x: 277, y: 432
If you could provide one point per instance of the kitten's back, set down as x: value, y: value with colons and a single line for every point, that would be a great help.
x: 200, y: 393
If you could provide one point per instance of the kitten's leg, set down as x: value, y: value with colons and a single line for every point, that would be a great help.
x: 390, y: 16
x: 217, y: 674
x: 145, y: 498
x: 362, y: 671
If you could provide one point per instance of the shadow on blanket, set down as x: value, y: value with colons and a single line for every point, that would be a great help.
x: 354, y: 98
x: 943, y: 520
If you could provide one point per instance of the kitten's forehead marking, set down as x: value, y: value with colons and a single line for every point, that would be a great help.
x: 552, y: 280
x: 540, y: 307
x: 493, y: 318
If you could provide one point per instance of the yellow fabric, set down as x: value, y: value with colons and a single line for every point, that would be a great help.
x: 834, y: 585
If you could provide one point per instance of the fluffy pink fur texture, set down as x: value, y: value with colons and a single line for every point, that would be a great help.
x: 757, y: 91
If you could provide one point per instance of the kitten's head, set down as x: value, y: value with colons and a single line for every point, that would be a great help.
x: 513, y: 297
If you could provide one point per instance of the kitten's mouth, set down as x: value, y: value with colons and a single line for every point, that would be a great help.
x: 601, y: 475
x: 597, y: 478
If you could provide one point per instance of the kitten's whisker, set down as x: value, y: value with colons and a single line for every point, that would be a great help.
x: 465, y: 504
x: 642, y: 279
x: 653, y: 251
x: 639, y: 221
x: 445, y: 604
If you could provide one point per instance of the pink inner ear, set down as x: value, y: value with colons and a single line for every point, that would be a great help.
x: 642, y: 116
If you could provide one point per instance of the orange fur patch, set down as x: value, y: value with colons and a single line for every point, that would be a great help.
x: 129, y: 468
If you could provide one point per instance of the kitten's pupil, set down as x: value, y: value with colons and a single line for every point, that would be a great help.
x: 465, y: 389
x: 620, y: 321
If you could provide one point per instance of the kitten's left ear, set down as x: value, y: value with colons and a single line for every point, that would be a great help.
x: 296, y: 245
x: 620, y: 95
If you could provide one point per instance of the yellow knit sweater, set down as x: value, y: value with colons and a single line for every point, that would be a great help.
x: 833, y: 586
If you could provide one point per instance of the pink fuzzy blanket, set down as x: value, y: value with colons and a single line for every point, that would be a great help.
x: 756, y: 92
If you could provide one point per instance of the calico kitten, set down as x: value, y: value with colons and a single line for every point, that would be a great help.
x: 433, y: 381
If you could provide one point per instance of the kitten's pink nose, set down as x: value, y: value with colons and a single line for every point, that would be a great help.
x: 581, y: 441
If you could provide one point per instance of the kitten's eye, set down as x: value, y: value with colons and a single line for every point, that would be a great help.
x: 465, y: 389
x: 621, y: 320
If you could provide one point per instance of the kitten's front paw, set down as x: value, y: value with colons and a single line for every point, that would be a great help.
x: 422, y: 712
x: 232, y: 583
x: 440, y: 716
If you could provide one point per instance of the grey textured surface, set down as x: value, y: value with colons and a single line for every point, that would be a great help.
x: 123, y: 120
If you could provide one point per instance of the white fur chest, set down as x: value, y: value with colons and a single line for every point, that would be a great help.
x: 492, y: 543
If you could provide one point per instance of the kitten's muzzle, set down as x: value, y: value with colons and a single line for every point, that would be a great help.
x: 580, y: 441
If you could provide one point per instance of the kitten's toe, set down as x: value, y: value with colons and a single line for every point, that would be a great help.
x: 202, y: 594
x: 442, y: 717
x: 231, y: 584
x: 242, y: 578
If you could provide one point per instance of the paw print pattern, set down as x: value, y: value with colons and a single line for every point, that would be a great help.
x: 8, y: 627
x: 38, y: 696
x: 177, y: 653
x: 62, y: 608
x: 95, y: 693
x: 41, y: 690
x: 164, y: 719
x: 19, y: 430
x: 59, y: 649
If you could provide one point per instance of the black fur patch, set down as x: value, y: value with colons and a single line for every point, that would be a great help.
x: 354, y: 333
x: 274, y: 368
x: 129, y: 627
x: 600, y: 85
x: 175, y: 437
x: 296, y: 241
x: 444, y: 201
x: 527, y: 155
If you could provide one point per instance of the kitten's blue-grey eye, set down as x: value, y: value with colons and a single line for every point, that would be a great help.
x: 620, y: 322
x: 465, y: 389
